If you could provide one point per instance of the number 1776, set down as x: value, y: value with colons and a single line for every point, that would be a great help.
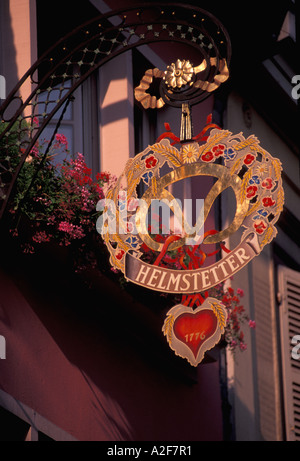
x: 196, y: 335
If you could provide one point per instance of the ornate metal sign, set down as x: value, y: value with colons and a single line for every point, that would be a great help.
x: 237, y: 163
x: 192, y: 332
x: 251, y: 172
x: 234, y: 162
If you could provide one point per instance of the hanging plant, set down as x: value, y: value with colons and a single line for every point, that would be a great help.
x: 58, y: 201
x: 237, y: 317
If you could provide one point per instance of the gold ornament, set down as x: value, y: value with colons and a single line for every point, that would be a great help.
x: 179, y: 74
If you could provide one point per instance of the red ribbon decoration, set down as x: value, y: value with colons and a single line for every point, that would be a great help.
x: 169, y: 240
x: 200, y: 137
x: 194, y: 263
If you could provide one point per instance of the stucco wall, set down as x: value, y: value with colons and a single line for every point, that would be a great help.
x: 99, y: 371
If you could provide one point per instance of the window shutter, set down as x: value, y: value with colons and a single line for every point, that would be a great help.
x: 289, y: 291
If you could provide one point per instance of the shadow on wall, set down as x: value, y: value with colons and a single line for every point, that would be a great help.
x: 95, y: 363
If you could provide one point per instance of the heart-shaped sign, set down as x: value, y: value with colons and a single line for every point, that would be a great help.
x: 190, y: 333
x: 194, y: 329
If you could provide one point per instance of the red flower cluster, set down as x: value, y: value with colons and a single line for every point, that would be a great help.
x: 105, y: 177
x: 76, y: 199
x: 61, y: 204
x: 215, y: 152
x: 61, y: 140
x: 237, y: 316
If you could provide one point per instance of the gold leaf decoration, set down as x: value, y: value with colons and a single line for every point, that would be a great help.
x: 129, y: 177
x: 117, y: 264
x: 254, y: 208
x: 269, y: 234
x: 168, y: 151
x: 132, y: 186
x: 251, y: 141
x: 154, y: 186
x: 213, y: 140
x: 277, y: 168
x: 262, y: 151
x: 220, y: 314
x: 168, y: 327
x: 237, y: 166
x: 280, y: 201
x: 245, y: 182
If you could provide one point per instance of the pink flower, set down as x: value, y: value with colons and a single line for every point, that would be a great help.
x: 240, y: 292
x: 28, y: 249
x: 252, y: 323
x: 34, y: 151
x: 75, y: 232
x: 61, y: 139
x: 99, y: 191
x: 40, y: 237
x: 14, y: 232
x: 64, y: 226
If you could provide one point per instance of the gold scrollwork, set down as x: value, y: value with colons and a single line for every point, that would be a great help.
x: 140, y: 92
x: 234, y: 161
x: 178, y: 75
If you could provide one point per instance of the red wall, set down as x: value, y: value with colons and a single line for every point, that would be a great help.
x: 93, y: 360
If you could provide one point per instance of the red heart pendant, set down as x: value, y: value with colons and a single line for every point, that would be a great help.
x: 190, y: 333
x: 194, y: 329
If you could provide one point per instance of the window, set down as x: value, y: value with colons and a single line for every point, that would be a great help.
x: 70, y: 125
x: 145, y: 121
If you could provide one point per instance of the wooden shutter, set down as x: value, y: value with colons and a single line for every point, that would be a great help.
x: 289, y: 292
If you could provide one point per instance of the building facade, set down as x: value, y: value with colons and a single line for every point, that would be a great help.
x: 86, y: 360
